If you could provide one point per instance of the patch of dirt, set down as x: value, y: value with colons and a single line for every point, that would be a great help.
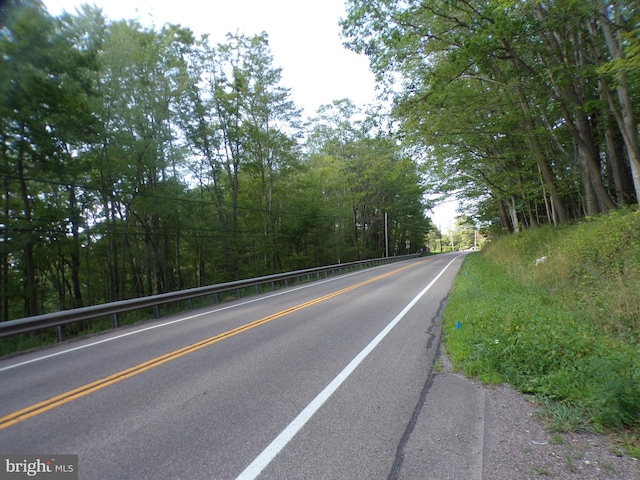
x: 519, y: 446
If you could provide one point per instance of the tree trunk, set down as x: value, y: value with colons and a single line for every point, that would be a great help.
x: 559, y: 208
x: 574, y: 94
x: 504, y: 219
x: 619, y: 168
x: 597, y: 197
x: 513, y: 214
x: 625, y: 121
x: 75, y: 248
x: 30, y: 287
x: 4, y: 257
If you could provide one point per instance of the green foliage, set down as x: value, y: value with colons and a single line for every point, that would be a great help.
x: 137, y: 161
x: 555, y: 313
x: 497, y: 95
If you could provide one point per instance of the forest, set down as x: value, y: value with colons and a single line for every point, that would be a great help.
x: 140, y: 160
x: 526, y: 108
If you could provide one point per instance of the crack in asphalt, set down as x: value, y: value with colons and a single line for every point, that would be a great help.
x: 397, y: 463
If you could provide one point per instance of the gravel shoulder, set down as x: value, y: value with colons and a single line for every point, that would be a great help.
x: 518, y: 445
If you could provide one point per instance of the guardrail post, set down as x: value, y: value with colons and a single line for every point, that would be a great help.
x: 59, y: 333
x: 58, y: 319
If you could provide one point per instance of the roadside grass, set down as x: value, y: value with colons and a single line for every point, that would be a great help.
x: 565, y: 327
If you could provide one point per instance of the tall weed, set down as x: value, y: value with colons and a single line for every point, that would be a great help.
x: 556, y: 313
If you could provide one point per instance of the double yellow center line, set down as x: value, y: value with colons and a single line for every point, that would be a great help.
x: 83, y: 390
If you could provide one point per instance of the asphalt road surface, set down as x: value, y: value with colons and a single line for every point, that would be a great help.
x: 319, y: 381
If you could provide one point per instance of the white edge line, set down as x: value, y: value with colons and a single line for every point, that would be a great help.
x: 268, y: 454
x: 92, y: 344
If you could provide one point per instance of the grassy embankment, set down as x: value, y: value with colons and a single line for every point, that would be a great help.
x: 566, y: 330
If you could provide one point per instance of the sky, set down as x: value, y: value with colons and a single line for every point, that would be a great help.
x: 304, y: 37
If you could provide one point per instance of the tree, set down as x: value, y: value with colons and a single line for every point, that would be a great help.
x: 375, y: 184
x: 483, y: 79
x: 242, y: 125
x: 141, y: 160
x: 614, y: 27
x: 269, y: 122
x: 44, y: 123
x: 142, y: 76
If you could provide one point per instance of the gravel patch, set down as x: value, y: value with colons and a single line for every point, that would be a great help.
x: 519, y: 446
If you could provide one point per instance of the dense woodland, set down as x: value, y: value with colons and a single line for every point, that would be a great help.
x: 138, y: 160
x: 527, y: 107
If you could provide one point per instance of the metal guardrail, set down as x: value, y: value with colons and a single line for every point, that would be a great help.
x: 114, y: 309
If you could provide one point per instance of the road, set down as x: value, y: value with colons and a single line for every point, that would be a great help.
x: 318, y: 381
